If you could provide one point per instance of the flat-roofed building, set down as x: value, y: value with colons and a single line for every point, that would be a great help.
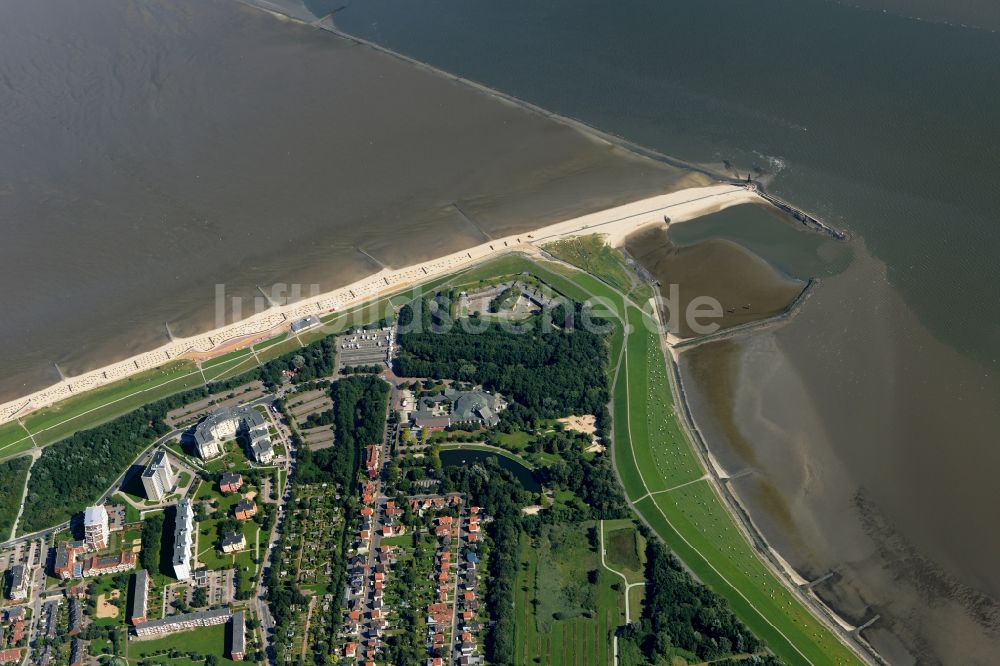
x: 140, y: 597
x: 305, y: 323
x: 183, y: 540
x: 158, y: 478
x: 18, y: 582
x: 96, y: 529
x: 238, y: 638
x: 183, y: 622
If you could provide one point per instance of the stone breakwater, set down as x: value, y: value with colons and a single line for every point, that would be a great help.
x: 615, y: 223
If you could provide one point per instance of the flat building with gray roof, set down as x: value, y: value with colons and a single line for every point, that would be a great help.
x: 183, y: 540
x: 140, y: 597
x: 158, y: 477
x: 238, y: 640
x: 184, y: 621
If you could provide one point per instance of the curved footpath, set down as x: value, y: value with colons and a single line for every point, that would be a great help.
x: 718, y: 551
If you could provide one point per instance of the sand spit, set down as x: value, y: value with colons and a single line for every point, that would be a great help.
x: 614, y: 223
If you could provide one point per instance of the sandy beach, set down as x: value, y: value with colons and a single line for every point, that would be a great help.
x: 613, y: 223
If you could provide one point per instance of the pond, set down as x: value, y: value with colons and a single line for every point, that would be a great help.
x: 471, y: 456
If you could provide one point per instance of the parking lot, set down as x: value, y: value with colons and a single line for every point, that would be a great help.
x: 365, y: 347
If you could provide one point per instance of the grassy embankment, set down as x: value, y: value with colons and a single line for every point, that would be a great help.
x: 87, y: 410
x: 692, y: 519
x: 654, y: 456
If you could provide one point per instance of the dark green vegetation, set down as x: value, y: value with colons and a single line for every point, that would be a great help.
x: 682, y: 618
x: 12, y: 475
x: 152, y: 542
x: 75, y: 471
x: 359, y: 413
x: 575, y: 604
x: 358, y: 418
x: 545, y: 372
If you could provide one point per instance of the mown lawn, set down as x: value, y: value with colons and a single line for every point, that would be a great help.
x: 92, y: 408
x: 625, y: 549
x: 204, y: 641
x: 646, y: 432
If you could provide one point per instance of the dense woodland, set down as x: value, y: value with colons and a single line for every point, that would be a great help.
x: 544, y: 371
x: 358, y: 418
x: 681, y: 614
x: 152, y: 542
x: 74, y: 472
x: 12, y: 475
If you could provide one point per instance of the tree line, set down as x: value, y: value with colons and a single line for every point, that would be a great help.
x: 73, y: 472
x: 545, y: 372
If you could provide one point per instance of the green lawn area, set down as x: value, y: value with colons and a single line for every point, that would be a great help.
x: 203, y: 641
x: 644, y: 423
x: 208, y: 532
x: 230, y: 365
x: 13, y: 439
x: 647, y: 437
x: 100, y: 405
x: 561, y: 618
x: 516, y: 440
x: 94, y: 407
x: 183, y: 479
x: 260, y: 346
x: 595, y: 257
x: 625, y: 549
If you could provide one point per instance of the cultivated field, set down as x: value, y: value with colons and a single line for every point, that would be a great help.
x: 563, y: 619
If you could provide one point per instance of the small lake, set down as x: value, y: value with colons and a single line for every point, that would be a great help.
x: 471, y: 456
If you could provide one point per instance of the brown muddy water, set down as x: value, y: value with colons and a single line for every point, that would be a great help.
x: 866, y: 462
x: 151, y: 150
x: 746, y: 287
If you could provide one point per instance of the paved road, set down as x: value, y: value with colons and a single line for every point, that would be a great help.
x: 267, y: 561
x: 142, y: 458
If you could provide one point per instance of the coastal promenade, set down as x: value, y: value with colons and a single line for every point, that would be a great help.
x: 615, y: 223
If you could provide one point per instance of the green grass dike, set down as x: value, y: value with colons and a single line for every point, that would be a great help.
x: 661, y: 474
